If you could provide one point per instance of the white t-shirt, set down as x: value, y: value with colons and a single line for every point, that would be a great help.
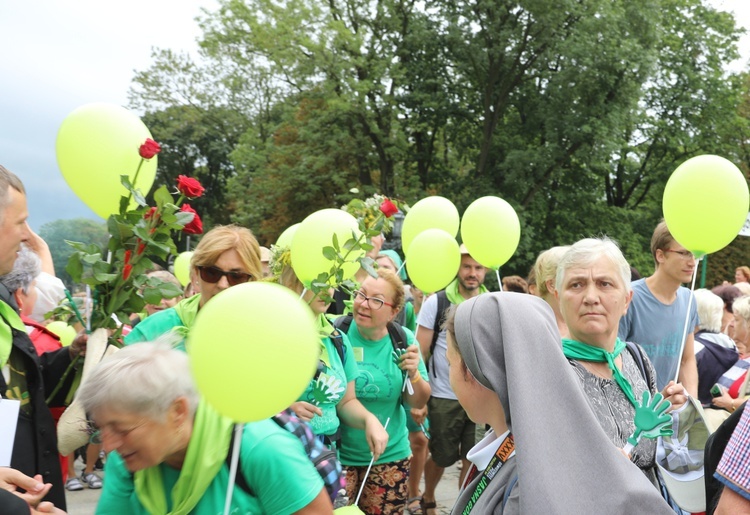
x: 438, y: 362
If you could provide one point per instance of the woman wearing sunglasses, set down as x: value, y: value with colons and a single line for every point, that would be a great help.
x: 226, y: 256
x: 381, y: 388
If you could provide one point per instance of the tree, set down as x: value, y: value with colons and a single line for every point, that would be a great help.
x: 81, y: 230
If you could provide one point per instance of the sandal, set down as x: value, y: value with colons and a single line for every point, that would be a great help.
x: 431, y: 505
x: 414, y: 510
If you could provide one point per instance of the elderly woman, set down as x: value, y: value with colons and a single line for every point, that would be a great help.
x: 226, y: 256
x: 593, y: 288
x: 380, y: 387
x: 169, y: 448
x: 733, y: 382
x: 329, y: 398
x: 544, y: 454
x: 545, y: 270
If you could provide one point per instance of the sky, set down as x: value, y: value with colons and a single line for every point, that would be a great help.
x: 58, y: 56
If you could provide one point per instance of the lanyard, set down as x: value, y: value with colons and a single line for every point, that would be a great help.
x: 498, y: 460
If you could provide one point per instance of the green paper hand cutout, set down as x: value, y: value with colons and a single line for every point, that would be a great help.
x: 326, y: 389
x: 397, y: 353
x: 651, y: 419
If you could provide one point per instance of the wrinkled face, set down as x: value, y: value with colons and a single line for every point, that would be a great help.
x: 470, y: 274
x: 229, y: 261
x: 676, y: 262
x: 592, y: 301
x: 13, y: 229
x: 741, y: 329
x: 365, y: 313
x: 142, y: 442
x: 27, y: 300
x: 164, y: 304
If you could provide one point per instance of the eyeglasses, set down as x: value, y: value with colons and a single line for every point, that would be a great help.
x: 212, y: 275
x: 684, y: 254
x: 374, y: 302
x: 95, y: 432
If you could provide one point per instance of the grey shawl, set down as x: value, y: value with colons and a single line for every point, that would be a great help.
x: 565, y: 462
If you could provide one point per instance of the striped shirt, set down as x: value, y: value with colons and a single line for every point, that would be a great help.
x: 734, y: 468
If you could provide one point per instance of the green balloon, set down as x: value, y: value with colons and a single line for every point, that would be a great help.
x: 285, y: 239
x: 348, y: 510
x: 96, y: 144
x: 433, y: 260
x: 491, y: 231
x: 705, y: 203
x: 182, y: 267
x: 314, y: 234
x: 63, y: 331
x: 429, y: 213
x: 253, y: 349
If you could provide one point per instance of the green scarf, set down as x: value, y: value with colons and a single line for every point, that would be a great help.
x: 454, y: 297
x: 6, y: 332
x: 187, y: 309
x: 577, y: 350
x: 206, y: 453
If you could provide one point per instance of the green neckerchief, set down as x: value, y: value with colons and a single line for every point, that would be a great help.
x: 206, y: 454
x: 577, y: 350
x: 454, y: 297
x: 187, y: 309
x: 9, y: 316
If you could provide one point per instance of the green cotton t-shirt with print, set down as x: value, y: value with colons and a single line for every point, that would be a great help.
x: 165, y: 321
x: 329, y: 388
x: 378, y: 388
x: 273, y: 461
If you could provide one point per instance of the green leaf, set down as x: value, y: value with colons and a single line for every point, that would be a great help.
x: 367, y: 265
x: 336, y: 243
x: 75, y: 267
x: 139, y: 198
x: 124, y: 202
x: 329, y: 252
x: 184, y: 218
x: 162, y: 197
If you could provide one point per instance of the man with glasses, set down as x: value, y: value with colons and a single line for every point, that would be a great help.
x: 452, y: 432
x: 657, y: 314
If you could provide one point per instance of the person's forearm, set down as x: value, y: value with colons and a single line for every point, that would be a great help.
x: 422, y: 392
x: 353, y: 413
x: 689, y: 376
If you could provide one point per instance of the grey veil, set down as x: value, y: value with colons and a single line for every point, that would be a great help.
x: 566, y: 463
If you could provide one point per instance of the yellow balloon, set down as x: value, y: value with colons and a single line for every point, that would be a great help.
x: 63, y: 331
x: 285, y: 238
x: 433, y: 260
x: 429, y: 213
x: 182, y: 267
x: 314, y: 234
x: 253, y: 349
x: 96, y: 144
x: 491, y: 231
x: 348, y: 510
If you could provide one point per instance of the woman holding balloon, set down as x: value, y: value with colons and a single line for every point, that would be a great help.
x: 387, y: 378
x: 329, y: 398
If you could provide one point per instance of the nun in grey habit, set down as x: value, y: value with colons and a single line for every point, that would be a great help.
x: 563, y: 462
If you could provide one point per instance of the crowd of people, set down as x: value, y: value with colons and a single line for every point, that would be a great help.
x: 535, y: 390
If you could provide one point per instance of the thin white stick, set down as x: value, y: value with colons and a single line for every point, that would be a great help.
x: 89, y: 308
x: 302, y: 295
x: 499, y: 281
x: 687, y: 320
x: 233, y: 466
x: 398, y: 272
x: 361, y: 488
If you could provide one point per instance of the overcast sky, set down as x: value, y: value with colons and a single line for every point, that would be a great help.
x: 58, y: 56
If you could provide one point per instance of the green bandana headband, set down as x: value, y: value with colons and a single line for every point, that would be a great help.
x: 577, y: 350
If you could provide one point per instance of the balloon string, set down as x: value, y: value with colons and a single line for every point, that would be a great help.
x: 499, y: 281
x: 233, y: 466
x: 398, y: 272
x: 687, y: 321
x: 301, y: 295
x: 364, y: 480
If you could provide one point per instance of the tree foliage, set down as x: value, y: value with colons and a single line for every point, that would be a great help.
x: 82, y: 230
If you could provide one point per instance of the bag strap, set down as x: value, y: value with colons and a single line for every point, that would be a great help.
x: 398, y: 336
x: 637, y: 354
x: 337, y: 339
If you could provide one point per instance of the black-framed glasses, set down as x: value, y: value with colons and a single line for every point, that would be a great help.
x: 212, y: 274
x: 684, y: 254
x: 374, y: 302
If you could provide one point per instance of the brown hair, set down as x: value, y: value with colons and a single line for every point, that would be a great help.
x: 515, y: 283
x: 661, y: 239
x: 227, y: 237
x: 8, y: 180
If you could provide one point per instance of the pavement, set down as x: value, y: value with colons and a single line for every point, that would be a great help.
x: 84, y: 501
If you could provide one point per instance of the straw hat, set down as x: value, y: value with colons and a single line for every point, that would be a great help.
x: 73, y: 428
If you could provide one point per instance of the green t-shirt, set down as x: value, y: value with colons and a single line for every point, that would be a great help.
x: 329, y: 388
x: 378, y: 388
x: 273, y: 461
x: 165, y: 321
x: 410, y: 319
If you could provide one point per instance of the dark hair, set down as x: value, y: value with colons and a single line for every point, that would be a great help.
x: 515, y: 283
x: 728, y: 294
x: 660, y: 240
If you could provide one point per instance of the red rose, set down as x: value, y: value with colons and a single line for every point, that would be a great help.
x: 149, y: 149
x: 189, y: 187
x: 141, y: 247
x: 128, y: 255
x: 150, y: 213
x: 126, y: 271
x: 388, y: 208
x: 195, y: 226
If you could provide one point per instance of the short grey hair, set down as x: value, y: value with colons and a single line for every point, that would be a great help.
x: 8, y: 179
x: 584, y: 252
x: 710, y: 310
x: 28, y: 265
x: 143, y: 378
x: 741, y: 307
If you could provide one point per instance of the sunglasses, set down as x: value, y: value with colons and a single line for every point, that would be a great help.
x: 212, y: 275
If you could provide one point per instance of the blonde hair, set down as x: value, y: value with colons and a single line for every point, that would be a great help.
x: 229, y: 237
x: 289, y: 279
x: 396, y: 283
x: 545, y: 268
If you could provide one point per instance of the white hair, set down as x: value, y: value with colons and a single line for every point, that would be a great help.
x: 25, y: 269
x: 144, y: 378
x: 710, y: 310
x: 585, y: 252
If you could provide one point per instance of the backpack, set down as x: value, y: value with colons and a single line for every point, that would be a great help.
x: 323, y: 459
x: 442, y: 306
x: 395, y: 331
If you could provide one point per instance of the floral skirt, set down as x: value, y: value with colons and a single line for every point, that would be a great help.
x: 386, y: 489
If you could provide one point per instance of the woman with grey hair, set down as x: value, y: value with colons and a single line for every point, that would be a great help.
x: 593, y: 287
x: 169, y: 448
x: 544, y: 454
x: 715, y: 352
x: 545, y: 269
x: 20, y: 281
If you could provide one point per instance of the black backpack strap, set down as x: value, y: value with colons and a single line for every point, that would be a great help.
x: 239, y: 479
x: 442, y: 306
x: 398, y: 336
x: 637, y: 354
x: 337, y: 339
